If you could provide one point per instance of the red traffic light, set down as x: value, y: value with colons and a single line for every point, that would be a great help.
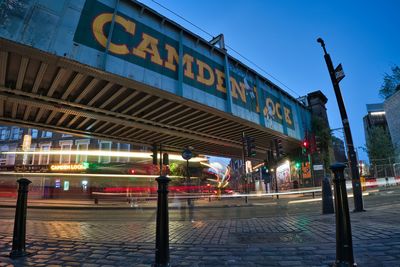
x: 305, y: 144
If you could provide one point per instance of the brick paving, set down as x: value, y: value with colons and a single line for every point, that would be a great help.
x: 297, y: 240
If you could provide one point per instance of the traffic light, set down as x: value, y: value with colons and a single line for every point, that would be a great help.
x: 305, y: 146
x: 155, y: 152
x: 279, y: 148
x: 265, y: 175
x: 165, y: 159
x: 251, y: 146
x: 297, y: 165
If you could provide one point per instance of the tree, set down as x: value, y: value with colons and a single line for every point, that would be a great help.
x: 391, y: 83
x: 379, y: 145
x: 323, y: 136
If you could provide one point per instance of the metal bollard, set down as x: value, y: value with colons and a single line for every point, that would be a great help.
x: 344, y: 243
x: 162, y: 227
x: 18, y: 245
x: 327, y: 200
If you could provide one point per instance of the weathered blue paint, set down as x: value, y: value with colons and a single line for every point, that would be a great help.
x: 61, y: 28
x: 180, y: 65
x: 260, y: 100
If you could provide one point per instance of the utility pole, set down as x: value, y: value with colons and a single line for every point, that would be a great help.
x: 336, y: 76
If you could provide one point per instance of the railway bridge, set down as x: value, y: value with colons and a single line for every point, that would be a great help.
x: 117, y: 70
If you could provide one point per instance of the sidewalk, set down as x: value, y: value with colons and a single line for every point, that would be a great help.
x: 282, y: 240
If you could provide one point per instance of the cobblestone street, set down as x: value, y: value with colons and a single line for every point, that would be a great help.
x: 301, y: 240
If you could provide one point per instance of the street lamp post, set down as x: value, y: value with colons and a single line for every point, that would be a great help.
x: 355, y: 175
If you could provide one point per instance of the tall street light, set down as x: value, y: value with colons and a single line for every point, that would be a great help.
x: 336, y: 75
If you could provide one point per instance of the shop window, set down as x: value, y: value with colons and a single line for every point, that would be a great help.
x: 65, y: 146
x: 82, y: 145
x: 44, y: 159
x: 3, y: 157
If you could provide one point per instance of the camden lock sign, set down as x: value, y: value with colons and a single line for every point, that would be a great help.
x: 139, y: 44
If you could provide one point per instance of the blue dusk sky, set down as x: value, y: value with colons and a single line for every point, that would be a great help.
x: 280, y: 37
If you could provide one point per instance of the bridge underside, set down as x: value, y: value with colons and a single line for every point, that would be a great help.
x: 44, y: 91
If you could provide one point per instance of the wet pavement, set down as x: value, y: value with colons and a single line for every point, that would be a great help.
x: 282, y: 240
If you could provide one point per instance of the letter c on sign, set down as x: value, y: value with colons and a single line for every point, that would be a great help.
x: 98, y: 30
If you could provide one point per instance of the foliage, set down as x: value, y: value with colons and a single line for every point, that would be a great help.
x: 391, y: 83
x: 177, y: 169
x: 323, y: 136
x: 379, y: 145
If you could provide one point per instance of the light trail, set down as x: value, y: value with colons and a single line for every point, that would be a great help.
x: 84, y: 174
x: 102, y: 153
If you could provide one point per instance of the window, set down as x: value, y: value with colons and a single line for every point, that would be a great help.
x: 82, y: 145
x: 105, y: 146
x: 4, y: 133
x: 44, y: 159
x: 65, y: 146
x: 3, y: 157
x: 34, y: 133
x: 33, y: 148
x: 123, y: 148
x: 47, y: 134
x: 15, y: 133
x: 66, y: 135
x: 11, y: 157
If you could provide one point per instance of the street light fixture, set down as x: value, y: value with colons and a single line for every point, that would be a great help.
x: 336, y: 75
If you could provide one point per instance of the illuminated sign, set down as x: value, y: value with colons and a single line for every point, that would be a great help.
x: 31, y: 168
x: 66, y: 185
x: 57, y: 183
x: 68, y: 167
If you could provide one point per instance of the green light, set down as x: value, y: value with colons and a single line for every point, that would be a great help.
x: 85, y: 164
x: 298, y: 165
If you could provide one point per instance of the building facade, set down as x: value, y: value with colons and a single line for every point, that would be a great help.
x: 12, y: 140
x: 376, y: 117
x: 391, y: 107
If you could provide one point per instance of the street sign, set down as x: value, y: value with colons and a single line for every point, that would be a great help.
x: 187, y: 154
x: 318, y: 167
x: 339, y: 73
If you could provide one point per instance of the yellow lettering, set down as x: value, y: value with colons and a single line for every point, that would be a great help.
x: 220, y: 80
x: 287, y: 116
x: 172, y: 57
x: 269, y: 106
x: 98, y: 30
x: 201, y: 74
x: 173, y: 60
x: 148, y: 45
x: 278, y: 110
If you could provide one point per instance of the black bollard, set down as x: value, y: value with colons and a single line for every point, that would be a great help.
x: 344, y: 243
x: 162, y: 227
x: 18, y: 245
x: 327, y: 200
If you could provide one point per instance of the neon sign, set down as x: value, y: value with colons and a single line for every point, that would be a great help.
x: 68, y: 167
